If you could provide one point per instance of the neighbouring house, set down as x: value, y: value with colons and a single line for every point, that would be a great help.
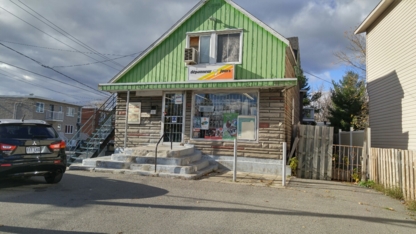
x: 91, y: 118
x: 217, y: 74
x: 391, y: 71
x: 64, y: 117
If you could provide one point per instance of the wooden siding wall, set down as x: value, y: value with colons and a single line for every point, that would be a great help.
x: 263, y: 53
x: 271, y: 132
x: 148, y: 131
x: 391, y: 73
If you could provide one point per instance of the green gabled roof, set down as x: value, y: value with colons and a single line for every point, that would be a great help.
x: 163, y: 60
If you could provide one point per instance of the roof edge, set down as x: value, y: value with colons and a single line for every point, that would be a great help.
x: 369, y: 20
x: 159, y: 40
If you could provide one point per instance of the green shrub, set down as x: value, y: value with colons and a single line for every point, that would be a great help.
x: 293, y: 163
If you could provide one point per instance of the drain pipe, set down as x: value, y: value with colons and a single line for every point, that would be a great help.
x: 127, y: 120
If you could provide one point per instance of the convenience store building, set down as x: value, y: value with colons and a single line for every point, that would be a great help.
x: 217, y: 65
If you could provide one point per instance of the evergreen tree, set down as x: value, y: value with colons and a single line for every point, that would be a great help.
x: 349, y: 103
x: 303, y: 85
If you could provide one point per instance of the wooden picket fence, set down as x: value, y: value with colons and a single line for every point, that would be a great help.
x: 394, y: 168
x: 314, y: 152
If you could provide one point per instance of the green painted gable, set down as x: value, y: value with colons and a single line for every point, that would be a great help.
x: 263, y: 54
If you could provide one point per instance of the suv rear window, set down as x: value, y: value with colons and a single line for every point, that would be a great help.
x: 27, y: 131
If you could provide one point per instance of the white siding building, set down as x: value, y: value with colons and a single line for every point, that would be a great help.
x: 391, y: 73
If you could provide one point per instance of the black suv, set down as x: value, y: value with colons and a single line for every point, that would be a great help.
x: 31, y: 148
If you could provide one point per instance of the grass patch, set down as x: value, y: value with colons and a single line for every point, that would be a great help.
x: 411, y: 205
x: 395, y: 193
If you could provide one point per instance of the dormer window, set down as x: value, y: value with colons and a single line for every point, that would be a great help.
x: 216, y: 47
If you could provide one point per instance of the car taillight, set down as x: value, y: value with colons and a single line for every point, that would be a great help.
x: 60, y: 145
x: 6, y: 147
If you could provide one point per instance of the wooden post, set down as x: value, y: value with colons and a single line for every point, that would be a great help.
x: 309, y: 151
x: 330, y: 153
x: 315, y: 156
x: 323, y: 154
x: 301, y: 151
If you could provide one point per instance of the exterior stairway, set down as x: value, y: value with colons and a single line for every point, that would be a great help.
x: 183, y: 162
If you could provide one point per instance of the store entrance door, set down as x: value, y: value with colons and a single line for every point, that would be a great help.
x: 173, y: 120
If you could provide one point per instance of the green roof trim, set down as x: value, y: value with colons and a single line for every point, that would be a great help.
x: 269, y: 83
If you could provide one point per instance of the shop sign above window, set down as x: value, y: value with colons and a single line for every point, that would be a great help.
x: 211, y: 72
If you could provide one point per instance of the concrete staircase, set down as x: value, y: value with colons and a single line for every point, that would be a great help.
x: 183, y: 162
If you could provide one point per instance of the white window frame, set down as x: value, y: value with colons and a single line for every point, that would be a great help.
x: 41, y: 106
x: 69, y: 112
x: 214, y: 41
x: 224, y: 91
x: 162, y: 129
x: 69, y: 127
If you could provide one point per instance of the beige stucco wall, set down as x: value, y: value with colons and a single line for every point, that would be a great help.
x: 391, y: 75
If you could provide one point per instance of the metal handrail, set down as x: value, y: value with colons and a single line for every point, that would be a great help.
x: 156, y: 150
x: 108, y: 105
x: 158, y: 145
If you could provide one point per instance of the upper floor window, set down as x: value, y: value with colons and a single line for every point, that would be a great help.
x: 217, y: 47
x: 71, y: 111
x: 40, y: 107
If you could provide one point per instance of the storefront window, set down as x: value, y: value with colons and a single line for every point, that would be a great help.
x: 215, y: 114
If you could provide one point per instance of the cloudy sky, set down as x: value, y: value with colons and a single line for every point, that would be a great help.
x: 50, y: 48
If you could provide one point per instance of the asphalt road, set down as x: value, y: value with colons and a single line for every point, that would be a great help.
x: 86, y: 202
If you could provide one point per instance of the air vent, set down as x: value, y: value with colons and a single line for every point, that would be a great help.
x: 190, y: 56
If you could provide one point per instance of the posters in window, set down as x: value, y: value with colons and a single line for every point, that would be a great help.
x: 230, y: 126
x: 134, y: 113
x: 178, y: 98
x: 204, y: 123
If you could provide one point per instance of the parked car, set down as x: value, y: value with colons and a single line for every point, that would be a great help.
x: 31, y: 148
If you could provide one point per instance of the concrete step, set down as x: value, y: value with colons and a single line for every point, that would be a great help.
x: 182, y: 161
x: 172, y: 169
x: 194, y: 176
x: 163, y: 151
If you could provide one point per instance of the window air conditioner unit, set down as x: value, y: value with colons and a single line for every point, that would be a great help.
x: 190, y: 56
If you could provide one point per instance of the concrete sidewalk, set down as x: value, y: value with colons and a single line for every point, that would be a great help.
x: 245, y: 178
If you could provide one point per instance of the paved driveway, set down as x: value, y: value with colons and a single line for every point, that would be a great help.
x: 86, y: 202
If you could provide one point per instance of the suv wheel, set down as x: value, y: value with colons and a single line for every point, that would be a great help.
x: 54, y: 177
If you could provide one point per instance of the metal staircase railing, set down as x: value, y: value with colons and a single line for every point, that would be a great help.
x: 88, y: 140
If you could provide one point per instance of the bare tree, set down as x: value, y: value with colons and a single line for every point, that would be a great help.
x: 321, y: 104
x: 355, y: 53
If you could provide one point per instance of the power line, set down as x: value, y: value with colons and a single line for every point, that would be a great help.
x: 85, y: 64
x: 49, y: 67
x: 59, y: 81
x: 27, y: 82
x: 53, y: 37
x: 317, y: 77
x: 75, y: 39
x: 72, y: 51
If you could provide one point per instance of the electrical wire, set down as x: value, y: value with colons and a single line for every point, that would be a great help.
x: 51, y: 68
x: 317, y: 77
x: 54, y: 37
x: 72, y: 51
x: 85, y: 64
x: 59, y: 81
x: 75, y: 39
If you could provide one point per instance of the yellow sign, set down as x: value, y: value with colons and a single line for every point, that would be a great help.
x: 211, y: 72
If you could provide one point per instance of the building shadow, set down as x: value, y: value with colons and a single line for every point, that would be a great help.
x: 386, y: 112
x: 73, y: 191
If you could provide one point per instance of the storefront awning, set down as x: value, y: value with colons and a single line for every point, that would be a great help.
x: 166, y: 86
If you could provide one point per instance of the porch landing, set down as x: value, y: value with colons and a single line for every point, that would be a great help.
x: 184, y: 162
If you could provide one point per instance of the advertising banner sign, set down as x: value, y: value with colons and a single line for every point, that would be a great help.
x: 211, y: 72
